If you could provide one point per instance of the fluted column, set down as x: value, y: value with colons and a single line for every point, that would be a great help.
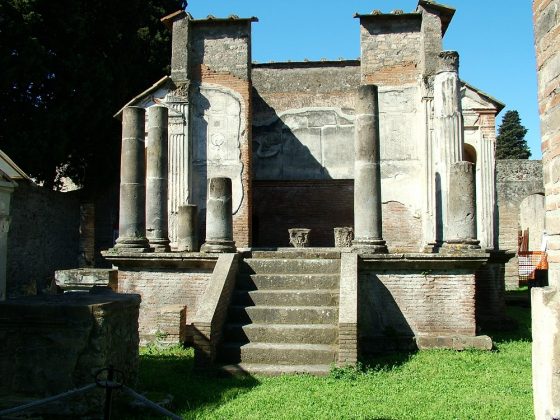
x: 367, y: 173
x: 448, y: 126
x: 461, y: 209
x: 219, y: 219
x: 156, y: 179
x: 132, y: 207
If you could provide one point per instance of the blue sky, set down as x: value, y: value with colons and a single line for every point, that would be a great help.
x: 493, y: 37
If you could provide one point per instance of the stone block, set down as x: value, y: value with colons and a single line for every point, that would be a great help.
x: 83, y: 279
x: 454, y: 342
x: 55, y: 343
x: 171, y: 325
x: 545, y: 315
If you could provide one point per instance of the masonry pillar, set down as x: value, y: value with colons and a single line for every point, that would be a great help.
x: 132, y: 208
x: 448, y: 129
x: 156, y: 179
x: 367, y: 173
x: 187, y: 230
x: 461, y: 209
x: 219, y: 220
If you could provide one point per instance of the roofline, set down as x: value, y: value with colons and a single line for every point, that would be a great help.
x: 445, y: 11
x: 15, y: 167
x: 230, y: 18
x: 157, y: 85
x: 308, y: 64
x: 172, y: 17
x: 499, y: 105
x: 389, y: 16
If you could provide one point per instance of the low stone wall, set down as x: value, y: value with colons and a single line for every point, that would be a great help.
x: 164, y: 279
x: 418, y: 301
x: 52, y: 344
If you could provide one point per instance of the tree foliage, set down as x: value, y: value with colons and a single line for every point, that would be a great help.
x: 67, y: 67
x: 511, y: 143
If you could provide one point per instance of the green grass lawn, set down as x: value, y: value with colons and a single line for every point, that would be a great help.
x: 431, y: 384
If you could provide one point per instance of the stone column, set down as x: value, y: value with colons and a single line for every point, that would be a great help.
x: 448, y: 129
x: 461, y: 210
x: 132, y: 208
x: 156, y: 179
x: 187, y: 228
x: 219, y: 220
x: 367, y: 173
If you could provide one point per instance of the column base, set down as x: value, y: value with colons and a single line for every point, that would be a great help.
x: 218, y: 246
x: 132, y: 245
x: 375, y: 246
x: 460, y: 245
x: 160, y: 245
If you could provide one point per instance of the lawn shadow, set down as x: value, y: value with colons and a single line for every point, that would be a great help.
x: 386, y: 361
x: 521, y: 315
x: 173, y: 373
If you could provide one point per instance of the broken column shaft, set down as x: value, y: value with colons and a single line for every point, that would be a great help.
x: 132, y: 208
x: 219, y: 219
x: 367, y: 173
x: 461, y: 210
x: 187, y: 228
x: 156, y: 179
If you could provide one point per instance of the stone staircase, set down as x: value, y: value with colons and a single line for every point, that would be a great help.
x: 283, y: 316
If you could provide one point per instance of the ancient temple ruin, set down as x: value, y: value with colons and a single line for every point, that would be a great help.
x: 393, y: 145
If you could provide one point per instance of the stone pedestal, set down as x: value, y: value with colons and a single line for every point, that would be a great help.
x: 187, y: 231
x: 156, y: 179
x: 367, y: 173
x: 343, y: 237
x: 219, y: 220
x: 299, y: 237
x: 132, y: 208
x: 460, y: 231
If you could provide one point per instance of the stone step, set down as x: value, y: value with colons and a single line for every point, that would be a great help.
x: 290, y: 266
x: 286, y: 297
x: 242, y: 369
x: 281, y: 333
x: 288, y: 282
x: 281, y: 354
x: 283, y: 314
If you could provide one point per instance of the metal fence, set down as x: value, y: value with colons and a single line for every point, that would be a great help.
x: 109, y: 379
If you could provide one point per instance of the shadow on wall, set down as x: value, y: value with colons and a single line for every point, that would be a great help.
x: 293, y: 154
x: 381, y: 323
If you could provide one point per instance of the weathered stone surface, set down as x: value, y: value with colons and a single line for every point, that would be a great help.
x: 299, y: 237
x: 343, y: 237
x: 156, y: 179
x: 455, y: 342
x: 83, y: 279
x: 187, y: 231
x: 219, y: 223
x: 44, y: 229
x: 52, y: 344
x: 367, y: 172
x: 460, y: 231
x: 132, y: 210
x: 545, y: 318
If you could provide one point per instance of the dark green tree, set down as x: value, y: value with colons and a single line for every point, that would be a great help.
x: 511, y: 143
x: 67, y: 67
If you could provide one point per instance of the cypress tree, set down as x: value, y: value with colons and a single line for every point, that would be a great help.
x: 511, y: 143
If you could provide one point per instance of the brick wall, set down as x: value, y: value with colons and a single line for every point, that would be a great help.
x: 321, y: 206
x: 390, y: 49
x: 398, y: 305
x: 515, y: 180
x: 160, y: 288
x: 547, y: 45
